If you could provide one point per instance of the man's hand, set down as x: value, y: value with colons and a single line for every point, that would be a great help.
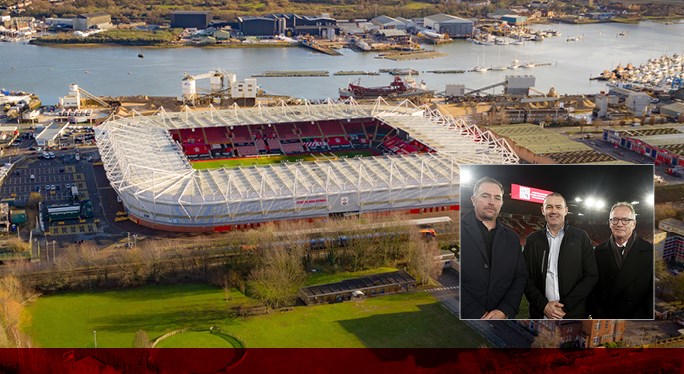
x: 494, y: 314
x: 554, y: 310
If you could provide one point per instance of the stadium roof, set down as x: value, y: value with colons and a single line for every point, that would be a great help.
x: 149, y: 170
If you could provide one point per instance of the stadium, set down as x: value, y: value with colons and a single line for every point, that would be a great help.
x: 219, y: 170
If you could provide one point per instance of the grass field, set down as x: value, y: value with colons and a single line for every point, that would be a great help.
x: 194, y: 339
x: 402, y: 320
x: 325, y: 278
x: 274, y: 159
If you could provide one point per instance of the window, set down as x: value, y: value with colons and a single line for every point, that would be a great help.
x: 597, y: 325
x: 596, y: 340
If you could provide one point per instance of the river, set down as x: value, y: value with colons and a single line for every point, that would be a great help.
x: 115, y: 71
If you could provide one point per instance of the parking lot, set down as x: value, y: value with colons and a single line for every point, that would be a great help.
x: 51, y: 178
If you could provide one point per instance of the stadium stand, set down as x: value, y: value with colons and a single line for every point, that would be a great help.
x: 286, y: 131
x: 217, y: 135
x: 309, y: 130
x: 331, y: 127
x: 149, y: 162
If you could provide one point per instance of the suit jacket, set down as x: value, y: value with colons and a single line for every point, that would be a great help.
x: 488, y: 284
x: 625, y: 293
x: 577, y: 273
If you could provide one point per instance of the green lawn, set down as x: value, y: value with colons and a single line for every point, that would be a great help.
x: 403, y: 320
x: 325, y: 278
x: 194, y: 339
x: 274, y: 159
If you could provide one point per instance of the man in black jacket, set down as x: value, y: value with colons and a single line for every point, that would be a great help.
x: 625, y: 265
x: 493, y: 272
x: 560, y: 265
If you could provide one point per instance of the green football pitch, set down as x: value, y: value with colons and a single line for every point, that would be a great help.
x: 231, y: 163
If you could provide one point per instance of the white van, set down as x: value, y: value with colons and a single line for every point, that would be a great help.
x: 33, y: 177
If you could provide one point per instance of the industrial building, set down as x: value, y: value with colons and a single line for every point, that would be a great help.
x: 96, y: 20
x: 147, y: 161
x: 287, y: 24
x: 386, y: 22
x: 188, y: 19
x: 323, y: 27
x: 663, y: 144
x: 514, y: 19
x: 537, y: 145
x: 261, y: 26
x: 49, y: 137
x: 455, y: 27
x: 672, y: 247
x: 674, y: 110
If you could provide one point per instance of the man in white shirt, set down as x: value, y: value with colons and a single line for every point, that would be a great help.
x: 560, y: 264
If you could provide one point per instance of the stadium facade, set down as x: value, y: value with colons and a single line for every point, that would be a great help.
x: 148, y: 162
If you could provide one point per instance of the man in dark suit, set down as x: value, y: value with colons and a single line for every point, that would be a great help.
x: 625, y: 264
x: 560, y: 265
x: 493, y: 272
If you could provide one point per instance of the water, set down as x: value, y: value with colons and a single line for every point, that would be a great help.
x: 115, y: 71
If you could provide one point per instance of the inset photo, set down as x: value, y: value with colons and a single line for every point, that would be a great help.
x: 557, y: 242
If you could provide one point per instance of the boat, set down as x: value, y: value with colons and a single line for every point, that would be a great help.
x: 140, y: 55
x: 528, y: 65
x: 398, y: 88
x: 480, y: 68
x: 514, y: 64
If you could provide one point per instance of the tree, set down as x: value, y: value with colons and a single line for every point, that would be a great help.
x: 13, y: 298
x: 665, y: 279
x: 548, y: 337
x: 141, y: 340
x: 420, y: 258
x: 279, y: 275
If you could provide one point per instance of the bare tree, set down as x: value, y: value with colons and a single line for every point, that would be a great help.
x: 548, y: 337
x: 665, y: 280
x: 421, y: 254
x: 278, y: 277
x: 141, y: 340
x: 13, y: 298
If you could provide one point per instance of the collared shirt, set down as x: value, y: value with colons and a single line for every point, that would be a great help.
x: 488, y: 237
x: 620, y: 252
x: 552, y: 292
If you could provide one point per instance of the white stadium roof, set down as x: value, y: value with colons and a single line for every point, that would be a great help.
x: 158, y: 185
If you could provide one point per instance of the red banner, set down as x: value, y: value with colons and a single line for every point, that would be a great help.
x: 378, y: 360
x: 531, y: 194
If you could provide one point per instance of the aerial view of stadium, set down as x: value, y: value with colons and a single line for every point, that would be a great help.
x: 219, y: 170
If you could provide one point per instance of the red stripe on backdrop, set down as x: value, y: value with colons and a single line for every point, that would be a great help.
x: 263, y: 360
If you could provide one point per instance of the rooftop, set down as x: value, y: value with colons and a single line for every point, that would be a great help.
x: 672, y: 225
x: 141, y: 157
x: 372, y: 281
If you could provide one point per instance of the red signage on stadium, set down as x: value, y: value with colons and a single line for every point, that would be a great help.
x: 313, y: 201
x: 531, y: 194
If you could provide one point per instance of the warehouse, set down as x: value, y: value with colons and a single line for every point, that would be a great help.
x: 96, y: 20
x: 456, y: 27
x: 190, y: 19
